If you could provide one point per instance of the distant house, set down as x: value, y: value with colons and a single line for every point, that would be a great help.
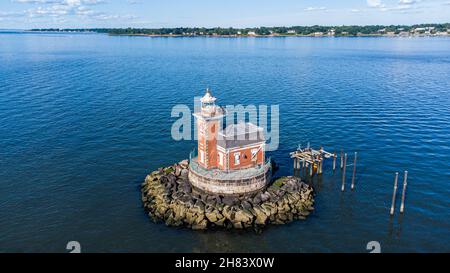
x: 318, y: 34
x: 291, y: 31
x: 331, y: 32
x: 239, y: 33
x: 251, y: 33
x: 419, y: 30
x: 383, y: 30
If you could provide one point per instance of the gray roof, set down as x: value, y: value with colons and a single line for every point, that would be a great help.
x: 238, y: 135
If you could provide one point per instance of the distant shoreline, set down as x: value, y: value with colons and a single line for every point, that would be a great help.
x: 274, y: 36
x: 248, y: 36
x: 418, y: 30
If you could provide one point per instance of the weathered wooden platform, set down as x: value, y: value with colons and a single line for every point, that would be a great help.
x: 312, y: 159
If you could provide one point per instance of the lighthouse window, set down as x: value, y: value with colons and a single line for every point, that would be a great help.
x: 202, y: 156
x: 237, y: 158
x: 220, y: 158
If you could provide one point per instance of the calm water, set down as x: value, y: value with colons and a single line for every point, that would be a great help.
x: 84, y: 117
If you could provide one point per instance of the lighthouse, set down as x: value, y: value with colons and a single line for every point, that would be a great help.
x: 230, y: 160
x: 209, y: 123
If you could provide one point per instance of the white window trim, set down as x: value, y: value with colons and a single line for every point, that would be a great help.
x: 221, y: 159
x: 237, y: 158
x: 202, y: 156
x: 254, y: 152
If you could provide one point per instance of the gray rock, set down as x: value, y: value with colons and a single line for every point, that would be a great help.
x: 184, y: 164
x: 246, y: 205
x: 177, y: 170
x: 184, y: 173
x: 228, y: 200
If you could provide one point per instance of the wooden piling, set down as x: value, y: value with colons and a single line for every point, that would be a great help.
x: 343, y: 172
x: 394, y: 193
x: 342, y: 158
x: 402, y: 205
x: 334, y: 160
x: 354, y: 171
x: 311, y: 169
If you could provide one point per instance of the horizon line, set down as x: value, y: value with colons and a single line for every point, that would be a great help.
x: 261, y: 26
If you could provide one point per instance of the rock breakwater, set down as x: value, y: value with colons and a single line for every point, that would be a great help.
x: 168, y: 196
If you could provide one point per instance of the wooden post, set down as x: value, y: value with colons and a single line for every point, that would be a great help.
x: 354, y: 171
x: 310, y: 169
x: 304, y: 168
x: 320, y: 166
x: 334, y: 160
x: 402, y: 205
x: 394, y: 193
x: 343, y: 172
x: 342, y: 158
x: 294, y: 166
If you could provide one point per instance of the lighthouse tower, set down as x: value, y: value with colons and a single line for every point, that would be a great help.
x: 209, y: 122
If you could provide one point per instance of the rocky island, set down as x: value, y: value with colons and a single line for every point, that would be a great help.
x: 169, y: 197
x: 229, y: 184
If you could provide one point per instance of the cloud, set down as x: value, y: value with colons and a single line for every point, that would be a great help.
x: 37, y: 1
x: 407, y: 2
x: 62, y: 2
x: 60, y: 9
x: 11, y: 14
x: 375, y: 4
x: 315, y: 8
x: 134, y: 2
x: 355, y: 10
x: 403, y: 6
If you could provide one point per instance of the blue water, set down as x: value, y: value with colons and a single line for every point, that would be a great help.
x: 84, y: 117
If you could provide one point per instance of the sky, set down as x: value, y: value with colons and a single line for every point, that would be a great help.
x: 27, y: 14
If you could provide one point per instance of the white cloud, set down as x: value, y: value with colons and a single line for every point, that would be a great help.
x: 134, y: 2
x: 407, y: 2
x: 375, y: 4
x: 11, y: 14
x: 315, y: 8
x: 62, y: 2
x: 60, y: 9
x: 37, y: 1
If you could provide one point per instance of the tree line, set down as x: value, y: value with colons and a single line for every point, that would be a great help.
x: 294, y: 30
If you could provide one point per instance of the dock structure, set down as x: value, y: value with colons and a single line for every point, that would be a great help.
x: 311, y: 159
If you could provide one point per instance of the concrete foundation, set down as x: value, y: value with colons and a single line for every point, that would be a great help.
x: 233, y: 186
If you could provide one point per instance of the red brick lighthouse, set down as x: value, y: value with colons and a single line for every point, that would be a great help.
x: 230, y: 160
x: 209, y: 122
